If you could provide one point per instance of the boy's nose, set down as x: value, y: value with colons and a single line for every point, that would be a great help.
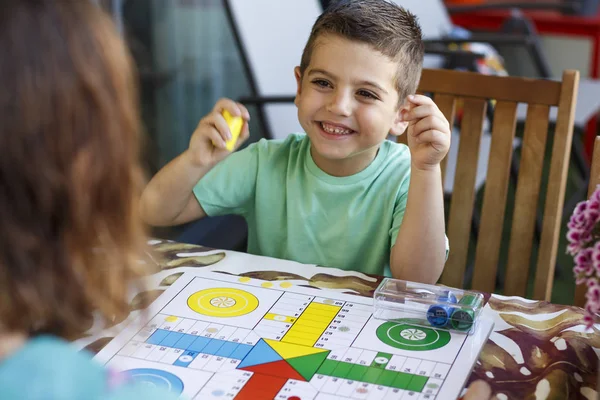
x: 340, y: 103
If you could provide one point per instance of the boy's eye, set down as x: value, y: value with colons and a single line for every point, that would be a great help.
x: 321, y: 83
x: 367, y: 94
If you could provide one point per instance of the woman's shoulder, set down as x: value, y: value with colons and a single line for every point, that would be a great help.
x: 51, y: 368
x: 48, y: 366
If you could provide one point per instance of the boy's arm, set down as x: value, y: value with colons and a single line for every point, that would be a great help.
x: 419, y: 252
x: 420, y: 249
x: 168, y: 198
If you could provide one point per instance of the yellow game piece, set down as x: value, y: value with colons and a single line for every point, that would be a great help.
x: 235, y: 127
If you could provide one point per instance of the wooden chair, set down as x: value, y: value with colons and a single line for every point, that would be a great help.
x: 476, y: 91
x: 594, y: 182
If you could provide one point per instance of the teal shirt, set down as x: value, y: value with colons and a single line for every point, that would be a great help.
x: 296, y: 211
x: 47, y: 368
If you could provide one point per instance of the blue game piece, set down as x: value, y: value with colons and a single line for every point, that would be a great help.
x: 438, y: 315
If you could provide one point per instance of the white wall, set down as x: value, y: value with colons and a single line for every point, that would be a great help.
x: 561, y: 52
x: 565, y: 52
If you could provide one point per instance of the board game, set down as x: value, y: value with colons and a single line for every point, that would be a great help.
x: 218, y: 336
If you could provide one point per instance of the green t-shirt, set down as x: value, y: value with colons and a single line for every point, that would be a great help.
x: 296, y: 211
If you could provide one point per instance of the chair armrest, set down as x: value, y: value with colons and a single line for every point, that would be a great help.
x: 259, y: 100
x: 569, y: 7
x: 491, y: 38
x: 454, y: 53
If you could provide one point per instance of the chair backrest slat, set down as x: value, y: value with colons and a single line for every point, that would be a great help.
x: 494, y: 200
x: 557, y: 183
x: 595, y: 169
x: 461, y: 208
x: 526, y: 199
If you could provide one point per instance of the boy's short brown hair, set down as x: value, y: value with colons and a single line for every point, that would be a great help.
x: 70, y: 236
x: 387, y: 27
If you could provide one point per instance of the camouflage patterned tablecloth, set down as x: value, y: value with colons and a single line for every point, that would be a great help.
x: 537, y: 350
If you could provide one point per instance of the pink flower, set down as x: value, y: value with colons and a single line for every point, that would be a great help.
x: 575, y: 242
x: 592, y: 305
x: 584, y: 245
x: 584, y: 265
x: 595, y: 258
x: 581, y: 224
x: 593, y: 293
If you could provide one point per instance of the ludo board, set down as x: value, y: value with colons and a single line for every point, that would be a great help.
x: 218, y: 336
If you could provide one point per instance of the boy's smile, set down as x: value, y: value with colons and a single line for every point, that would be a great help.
x: 347, y: 104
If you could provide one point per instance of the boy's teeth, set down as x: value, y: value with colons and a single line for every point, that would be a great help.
x: 335, y: 130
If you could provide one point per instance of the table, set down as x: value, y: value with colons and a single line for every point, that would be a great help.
x: 536, y: 347
x: 545, y: 22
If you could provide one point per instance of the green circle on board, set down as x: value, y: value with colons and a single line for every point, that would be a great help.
x: 404, y: 336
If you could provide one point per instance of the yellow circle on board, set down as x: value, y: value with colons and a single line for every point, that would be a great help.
x: 244, y: 279
x: 267, y: 284
x: 285, y: 285
x: 222, y: 302
x: 171, y: 318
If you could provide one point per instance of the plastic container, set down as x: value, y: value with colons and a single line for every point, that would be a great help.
x: 431, y: 306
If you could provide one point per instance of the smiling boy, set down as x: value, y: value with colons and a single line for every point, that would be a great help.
x: 340, y: 195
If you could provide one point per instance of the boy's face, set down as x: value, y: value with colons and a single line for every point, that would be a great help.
x: 347, y: 104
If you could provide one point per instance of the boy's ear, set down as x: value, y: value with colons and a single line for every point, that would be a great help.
x: 298, y: 76
x: 399, y: 125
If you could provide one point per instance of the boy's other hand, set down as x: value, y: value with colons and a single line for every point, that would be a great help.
x: 479, y: 390
x: 207, y: 145
x: 428, y: 132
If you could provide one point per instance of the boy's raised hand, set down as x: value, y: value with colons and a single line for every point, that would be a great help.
x: 428, y: 132
x: 207, y: 145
